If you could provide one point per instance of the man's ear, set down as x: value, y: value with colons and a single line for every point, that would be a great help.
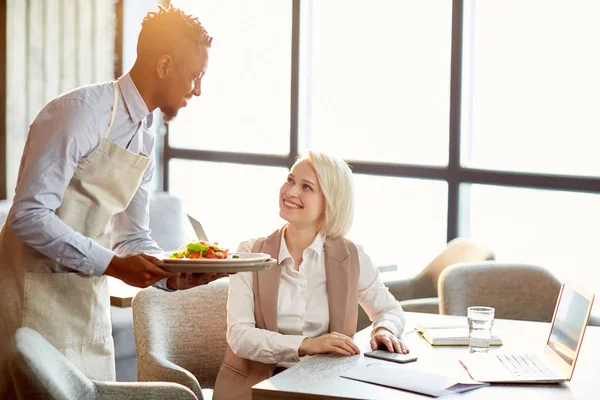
x: 164, y: 65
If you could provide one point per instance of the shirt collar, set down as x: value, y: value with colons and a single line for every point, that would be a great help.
x: 317, y: 246
x: 133, y: 100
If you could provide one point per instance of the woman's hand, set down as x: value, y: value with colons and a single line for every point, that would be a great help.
x: 330, y: 343
x: 383, y: 337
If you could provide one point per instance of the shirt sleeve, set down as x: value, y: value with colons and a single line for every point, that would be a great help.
x: 63, y: 133
x: 131, y: 228
x: 374, y: 297
x: 244, y: 338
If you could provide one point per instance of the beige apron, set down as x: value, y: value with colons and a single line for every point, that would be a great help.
x: 71, y: 310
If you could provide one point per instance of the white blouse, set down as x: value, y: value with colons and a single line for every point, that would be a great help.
x: 303, y: 308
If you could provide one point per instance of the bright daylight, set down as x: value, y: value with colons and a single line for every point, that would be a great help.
x: 267, y: 199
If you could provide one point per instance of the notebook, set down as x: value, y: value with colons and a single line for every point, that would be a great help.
x: 449, y: 332
x: 453, y: 337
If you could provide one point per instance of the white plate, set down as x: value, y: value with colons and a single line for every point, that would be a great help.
x: 245, y: 262
x: 244, y: 258
x: 227, y: 268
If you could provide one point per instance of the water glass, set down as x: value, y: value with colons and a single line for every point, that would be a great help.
x: 481, y: 320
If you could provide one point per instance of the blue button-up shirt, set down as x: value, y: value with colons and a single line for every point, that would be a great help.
x: 66, y: 131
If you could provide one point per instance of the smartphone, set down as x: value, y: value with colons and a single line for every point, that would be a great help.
x: 394, y: 357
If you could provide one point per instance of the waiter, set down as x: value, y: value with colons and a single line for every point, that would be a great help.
x: 80, y: 210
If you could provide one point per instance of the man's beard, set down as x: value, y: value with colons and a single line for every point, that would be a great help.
x: 169, y: 114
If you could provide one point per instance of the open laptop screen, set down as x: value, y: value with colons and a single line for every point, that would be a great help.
x: 569, y: 323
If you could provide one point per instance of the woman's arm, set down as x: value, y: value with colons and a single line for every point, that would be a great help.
x: 374, y: 297
x: 244, y: 338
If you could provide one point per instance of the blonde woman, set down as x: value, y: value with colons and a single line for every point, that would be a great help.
x: 308, y: 304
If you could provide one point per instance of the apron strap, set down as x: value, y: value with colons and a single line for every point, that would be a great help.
x: 141, y: 136
x: 114, y: 110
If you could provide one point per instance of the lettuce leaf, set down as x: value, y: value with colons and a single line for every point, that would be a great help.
x: 201, y: 248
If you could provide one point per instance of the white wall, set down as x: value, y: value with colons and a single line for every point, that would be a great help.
x: 52, y: 46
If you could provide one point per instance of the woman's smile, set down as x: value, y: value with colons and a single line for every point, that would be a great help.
x: 291, y: 205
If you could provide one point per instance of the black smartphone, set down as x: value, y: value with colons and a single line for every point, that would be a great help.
x: 394, y: 357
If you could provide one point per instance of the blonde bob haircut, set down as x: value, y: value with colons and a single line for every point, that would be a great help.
x: 336, y: 183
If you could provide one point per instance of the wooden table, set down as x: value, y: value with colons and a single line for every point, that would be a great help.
x: 121, y: 294
x: 317, y: 377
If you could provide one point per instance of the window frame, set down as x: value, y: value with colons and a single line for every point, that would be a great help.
x: 453, y: 174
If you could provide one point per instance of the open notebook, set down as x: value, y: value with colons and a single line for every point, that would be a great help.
x: 454, y: 333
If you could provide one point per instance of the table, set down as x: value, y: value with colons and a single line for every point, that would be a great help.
x: 121, y: 294
x: 317, y: 377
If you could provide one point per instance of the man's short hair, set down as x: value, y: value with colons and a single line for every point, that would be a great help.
x: 170, y: 31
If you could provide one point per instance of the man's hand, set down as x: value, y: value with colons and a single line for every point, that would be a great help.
x: 383, y: 337
x: 137, y: 270
x: 188, y: 281
x: 330, y: 343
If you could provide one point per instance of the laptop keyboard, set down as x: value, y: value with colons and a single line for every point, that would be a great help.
x: 525, y: 366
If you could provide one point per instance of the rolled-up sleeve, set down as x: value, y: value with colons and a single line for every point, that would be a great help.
x: 244, y: 338
x: 374, y: 297
x: 60, y: 137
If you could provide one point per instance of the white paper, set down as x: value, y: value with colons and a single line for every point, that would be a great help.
x: 412, y: 380
x: 442, y: 324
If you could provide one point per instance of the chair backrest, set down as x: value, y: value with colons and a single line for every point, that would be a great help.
x: 168, y: 223
x: 39, y: 370
x: 459, y: 250
x: 186, y: 327
x: 516, y: 291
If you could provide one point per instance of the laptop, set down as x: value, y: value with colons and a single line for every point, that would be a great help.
x: 197, y: 226
x: 557, y: 360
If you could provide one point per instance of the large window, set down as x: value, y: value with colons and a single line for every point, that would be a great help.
x: 400, y: 221
x: 532, y: 86
x: 475, y: 118
x: 234, y: 202
x: 378, y: 77
x: 530, y: 95
x: 245, y: 102
x: 557, y: 229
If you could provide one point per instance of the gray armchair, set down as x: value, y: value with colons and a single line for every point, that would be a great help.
x: 169, y: 224
x: 516, y: 291
x: 180, y: 336
x: 170, y: 228
x: 40, y: 371
x: 420, y: 293
x: 422, y: 290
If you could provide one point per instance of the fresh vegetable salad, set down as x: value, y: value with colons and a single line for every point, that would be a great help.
x: 201, y: 249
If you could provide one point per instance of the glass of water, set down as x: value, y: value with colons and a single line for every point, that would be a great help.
x: 481, y: 320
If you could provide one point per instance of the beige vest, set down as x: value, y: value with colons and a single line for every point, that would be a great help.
x: 237, y: 375
x: 71, y: 310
